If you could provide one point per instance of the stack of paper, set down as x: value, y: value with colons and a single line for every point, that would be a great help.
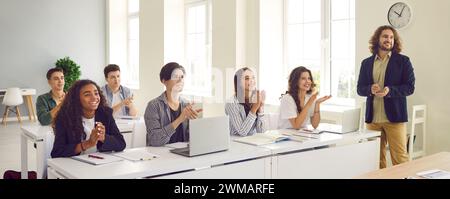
x: 310, y: 131
x: 435, y: 174
x: 303, y: 134
x: 258, y: 139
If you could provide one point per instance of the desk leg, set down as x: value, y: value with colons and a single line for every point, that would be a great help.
x: 32, y: 108
x: 41, y: 164
x: 24, y: 156
x: 31, y: 114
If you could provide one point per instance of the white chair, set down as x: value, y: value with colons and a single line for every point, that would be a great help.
x: 417, y: 119
x: 13, y: 98
x: 271, y: 120
x: 139, y: 134
x: 362, y: 115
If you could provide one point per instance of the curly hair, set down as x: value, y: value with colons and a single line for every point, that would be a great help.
x: 293, y: 87
x: 71, y: 112
x: 375, y: 40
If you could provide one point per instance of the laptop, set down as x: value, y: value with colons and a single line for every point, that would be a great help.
x: 350, y: 123
x: 207, y: 135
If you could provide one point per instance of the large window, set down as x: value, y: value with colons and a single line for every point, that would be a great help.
x: 320, y: 35
x: 130, y: 73
x: 198, y: 48
x: 123, y: 39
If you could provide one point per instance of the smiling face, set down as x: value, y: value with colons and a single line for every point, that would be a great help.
x: 304, y: 82
x: 248, y: 81
x: 56, y: 81
x: 89, y: 98
x: 386, y: 40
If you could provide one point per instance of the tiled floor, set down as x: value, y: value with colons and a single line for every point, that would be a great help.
x: 10, y: 148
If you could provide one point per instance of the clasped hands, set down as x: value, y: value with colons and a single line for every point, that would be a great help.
x: 377, y: 91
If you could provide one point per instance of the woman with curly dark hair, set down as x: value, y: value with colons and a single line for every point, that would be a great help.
x: 85, y: 123
x: 300, y: 106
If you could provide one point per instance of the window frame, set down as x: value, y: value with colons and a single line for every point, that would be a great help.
x: 326, y: 69
x: 131, y: 83
x: 190, y: 89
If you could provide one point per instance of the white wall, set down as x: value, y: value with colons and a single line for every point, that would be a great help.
x: 34, y: 34
x: 426, y: 42
x: 117, y: 32
x: 174, y: 33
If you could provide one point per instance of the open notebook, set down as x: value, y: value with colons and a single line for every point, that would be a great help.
x: 137, y: 154
x: 97, y: 158
x: 313, y: 134
x: 258, y: 139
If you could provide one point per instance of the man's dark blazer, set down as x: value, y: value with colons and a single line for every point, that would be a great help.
x: 400, y: 80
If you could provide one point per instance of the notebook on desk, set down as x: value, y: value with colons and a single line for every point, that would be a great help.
x: 97, y: 158
x: 301, y: 135
x: 435, y: 174
x: 137, y: 154
x: 269, y: 137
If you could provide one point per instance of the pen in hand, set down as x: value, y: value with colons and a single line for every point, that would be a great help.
x: 94, y: 156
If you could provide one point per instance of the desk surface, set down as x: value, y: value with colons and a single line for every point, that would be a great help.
x: 325, y: 139
x: 169, y: 163
x: 39, y: 132
x: 410, y: 169
x: 25, y: 91
x: 36, y: 131
x: 166, y: 163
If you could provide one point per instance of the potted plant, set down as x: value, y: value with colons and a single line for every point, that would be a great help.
x: 71, y: 71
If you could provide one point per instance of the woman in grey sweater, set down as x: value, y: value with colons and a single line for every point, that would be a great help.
x: 167, y: 116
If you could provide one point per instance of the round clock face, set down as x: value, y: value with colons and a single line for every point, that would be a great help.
x: 399, y: 15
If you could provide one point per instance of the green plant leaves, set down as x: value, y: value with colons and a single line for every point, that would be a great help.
x: 71, y: 71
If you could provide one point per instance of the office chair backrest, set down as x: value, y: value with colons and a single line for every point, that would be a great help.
x: 271, y: 120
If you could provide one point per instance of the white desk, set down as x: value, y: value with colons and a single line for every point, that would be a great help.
x: 330, y: 156
x: 43, y: 137
x: 240, y: 161
x: 27, y: 93
x: 40, y: 135
x: 280, y: 160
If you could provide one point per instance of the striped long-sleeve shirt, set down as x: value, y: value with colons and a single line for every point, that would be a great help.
x: 242, y: 124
